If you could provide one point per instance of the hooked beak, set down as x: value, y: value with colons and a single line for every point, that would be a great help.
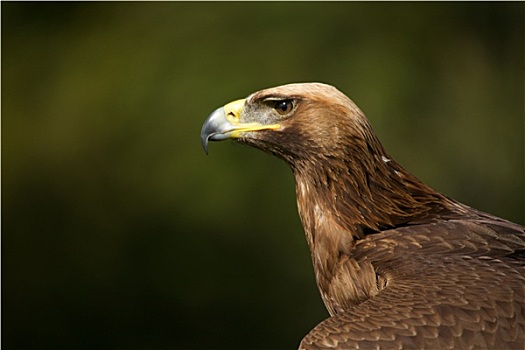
x: 225, y: 123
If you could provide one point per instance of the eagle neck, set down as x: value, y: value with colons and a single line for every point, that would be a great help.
x: 341, y: 202
x: 363, y: 196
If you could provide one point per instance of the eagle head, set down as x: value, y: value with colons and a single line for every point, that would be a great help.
x: 296, y: 122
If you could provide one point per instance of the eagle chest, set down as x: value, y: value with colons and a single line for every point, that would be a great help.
x: 343, y: 280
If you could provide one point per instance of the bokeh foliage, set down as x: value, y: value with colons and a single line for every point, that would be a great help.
x: 118, y: 232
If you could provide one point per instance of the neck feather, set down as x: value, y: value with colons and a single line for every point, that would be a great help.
x: 363, y: 195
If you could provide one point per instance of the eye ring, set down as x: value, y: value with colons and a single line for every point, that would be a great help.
x: 283, y: 107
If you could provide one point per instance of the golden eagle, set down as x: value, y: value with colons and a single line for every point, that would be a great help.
x: 398, y: 264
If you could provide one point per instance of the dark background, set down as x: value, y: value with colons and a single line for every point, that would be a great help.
x: 118, y: 231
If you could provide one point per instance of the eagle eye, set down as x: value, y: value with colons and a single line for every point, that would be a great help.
x: 283, y: 107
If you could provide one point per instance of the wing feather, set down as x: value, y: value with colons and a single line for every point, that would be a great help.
x: 457, y: 289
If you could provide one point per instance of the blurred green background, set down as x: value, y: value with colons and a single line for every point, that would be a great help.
x: 118, y: 231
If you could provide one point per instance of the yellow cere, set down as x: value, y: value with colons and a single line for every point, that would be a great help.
x: 233, y: 111
x: 233, y: 114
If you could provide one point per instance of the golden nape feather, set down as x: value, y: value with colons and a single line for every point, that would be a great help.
x: 398, y: 264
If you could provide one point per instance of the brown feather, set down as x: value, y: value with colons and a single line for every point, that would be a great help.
x: 398, y: 264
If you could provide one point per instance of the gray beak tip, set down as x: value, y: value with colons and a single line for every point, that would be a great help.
x: 204, y: 141
x: 214, y: 128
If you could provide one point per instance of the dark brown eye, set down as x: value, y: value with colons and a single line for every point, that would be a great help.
x: 283, y: 107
